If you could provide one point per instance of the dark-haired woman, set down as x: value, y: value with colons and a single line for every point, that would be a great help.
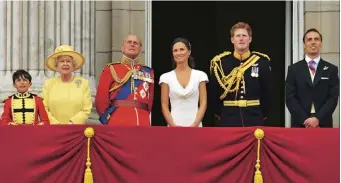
x: 184, y: 87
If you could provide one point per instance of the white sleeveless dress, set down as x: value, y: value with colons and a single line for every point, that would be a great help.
x: 184, y: 101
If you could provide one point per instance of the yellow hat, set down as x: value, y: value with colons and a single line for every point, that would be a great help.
x: 64, y: 50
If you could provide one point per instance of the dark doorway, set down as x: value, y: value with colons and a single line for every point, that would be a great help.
x: 207, y: 26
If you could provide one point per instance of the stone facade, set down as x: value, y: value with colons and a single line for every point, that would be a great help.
x: 325, y: 16
x: 29, y: 32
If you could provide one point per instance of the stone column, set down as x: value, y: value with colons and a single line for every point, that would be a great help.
x: 103, y: 35
x: 31, y: 30
x: 127, y: 17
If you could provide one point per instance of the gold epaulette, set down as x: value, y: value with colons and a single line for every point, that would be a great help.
x: 218, y: 58
x: 112, y: 63
x: 262, y: 54
x: 116, y: 78
x: 120, y: 81
x: 109, y: 64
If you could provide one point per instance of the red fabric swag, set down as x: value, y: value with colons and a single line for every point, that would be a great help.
x: 299, y: 155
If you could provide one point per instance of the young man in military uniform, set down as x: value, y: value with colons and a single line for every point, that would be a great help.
x: 240, y: 82
x: 24, y: 108
x: 126, y: 89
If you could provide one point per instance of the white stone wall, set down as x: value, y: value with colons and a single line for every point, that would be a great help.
x: 127, y: 17
x: 325, y: 16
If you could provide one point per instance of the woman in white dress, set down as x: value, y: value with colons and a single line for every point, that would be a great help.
x: 185, y: 87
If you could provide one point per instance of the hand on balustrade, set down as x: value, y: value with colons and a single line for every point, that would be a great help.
x: 173, y: 125
x: 194, y: 125
x: 12, y: 123
x: 176, y: 126
x: 312, y: 122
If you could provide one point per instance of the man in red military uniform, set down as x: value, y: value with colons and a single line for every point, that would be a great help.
x: 24, y: 108
x: 126, y: 89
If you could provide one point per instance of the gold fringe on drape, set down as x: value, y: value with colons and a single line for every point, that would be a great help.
x: 88, y: 178
x: 259, y: 134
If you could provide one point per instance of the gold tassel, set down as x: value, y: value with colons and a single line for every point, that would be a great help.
x: 88, y: 178
x: 259, y: 134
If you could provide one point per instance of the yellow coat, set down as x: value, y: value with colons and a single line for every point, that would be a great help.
x: 66, y: 102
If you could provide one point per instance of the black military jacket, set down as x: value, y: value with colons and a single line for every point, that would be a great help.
x: 243, y: 80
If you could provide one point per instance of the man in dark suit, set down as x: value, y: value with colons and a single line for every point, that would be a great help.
x: 312, y: 86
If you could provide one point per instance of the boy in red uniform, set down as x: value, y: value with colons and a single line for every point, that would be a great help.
x: 24, y: 108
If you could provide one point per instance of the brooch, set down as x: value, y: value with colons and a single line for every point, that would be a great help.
x: 78, y: 83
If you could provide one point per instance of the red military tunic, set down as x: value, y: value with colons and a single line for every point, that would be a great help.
x: 125, y: 94
x: 24, y: 109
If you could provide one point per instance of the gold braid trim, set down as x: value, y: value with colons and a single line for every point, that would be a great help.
x: 117, y: 79
x: 262, y: 54
x: 258, y: 178
x: 218, y: 78
x: 235, y: 76
x: 217, y: 58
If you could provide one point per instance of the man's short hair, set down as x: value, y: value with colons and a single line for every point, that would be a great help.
x: 21, y: 74
x: 241, y: 25
x: 311, y: 30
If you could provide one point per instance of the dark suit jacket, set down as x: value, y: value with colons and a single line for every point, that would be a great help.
x: 301, y: 92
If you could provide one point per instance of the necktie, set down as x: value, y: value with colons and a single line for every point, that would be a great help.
x: 312, y: 66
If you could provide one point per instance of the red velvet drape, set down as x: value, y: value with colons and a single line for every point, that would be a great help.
x: 53, y: 154
x: 301, y: 155
x: 42, y: 154
x: 161, y: 154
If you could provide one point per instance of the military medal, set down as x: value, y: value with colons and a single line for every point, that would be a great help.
x: 256, y: 74
x: 141, y: 75
x: 147, y: 77
x: 142, y: 93
x: 253, y: 74
x: 145, y: 86
x: 134, y: 74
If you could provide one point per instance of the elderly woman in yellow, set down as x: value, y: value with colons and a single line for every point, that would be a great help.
x: 67, y: 98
